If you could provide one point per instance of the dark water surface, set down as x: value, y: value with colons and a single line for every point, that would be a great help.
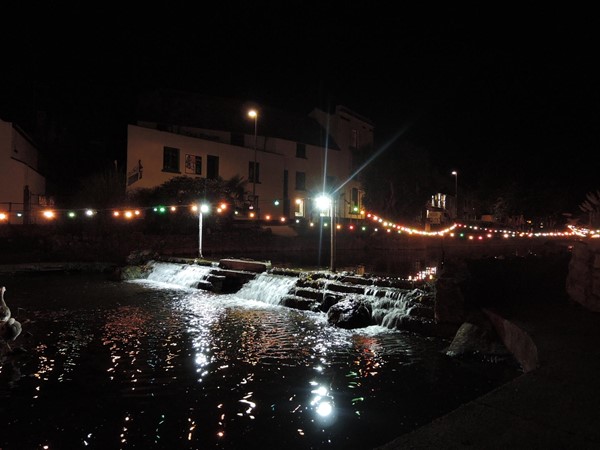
x: 408, y: 260
x: 147, y: 365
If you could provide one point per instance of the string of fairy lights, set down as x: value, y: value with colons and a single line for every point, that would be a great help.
x: 369, y: 222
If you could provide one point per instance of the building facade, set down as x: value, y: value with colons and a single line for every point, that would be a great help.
x: 22, y: 184
x: 286, y: 160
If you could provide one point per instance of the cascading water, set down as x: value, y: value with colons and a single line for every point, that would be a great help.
x: 268, y: 288
x: 390, y: 305
x: 181, y: 275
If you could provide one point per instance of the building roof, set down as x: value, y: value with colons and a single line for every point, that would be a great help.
x: 181, y: 108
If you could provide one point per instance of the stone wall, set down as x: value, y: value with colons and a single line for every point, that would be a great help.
x: 583, y: 279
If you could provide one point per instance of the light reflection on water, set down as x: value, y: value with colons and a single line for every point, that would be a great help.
x: 150, y: 365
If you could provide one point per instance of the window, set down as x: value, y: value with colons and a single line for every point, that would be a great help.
x: 193, y: 164
x: 300, y: 150
x: 300, y: 181
x: 170, y: 159
x: 299, y: 208
x: 212, y: 167
x: 251, y: 172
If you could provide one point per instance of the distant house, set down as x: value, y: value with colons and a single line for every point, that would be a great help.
x: 22, y: 185
x: 286, y: 159
x: 437, y: 211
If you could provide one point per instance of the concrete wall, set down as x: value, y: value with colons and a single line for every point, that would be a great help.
x: 583, y: 279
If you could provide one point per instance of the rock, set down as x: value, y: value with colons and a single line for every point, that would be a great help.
x: 476, y: 336
x: 345, y: 288
x: 296, y: 302
x: 349, y: 314
x: 312, y: 294
x: 328, y: 301
x: 244, y: 264
x: 129, y: 273
x: 421, y: 311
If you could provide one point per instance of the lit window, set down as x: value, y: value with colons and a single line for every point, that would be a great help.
x: 193, y: 164
x: 299, y: 208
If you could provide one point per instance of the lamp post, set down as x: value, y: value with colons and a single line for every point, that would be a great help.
x: 254, y: 114
x: 333, y: 236
x: 455, y: 173
x: 325, y: 203
x: 201, y: 210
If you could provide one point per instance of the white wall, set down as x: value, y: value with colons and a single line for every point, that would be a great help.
x: 19, y: 167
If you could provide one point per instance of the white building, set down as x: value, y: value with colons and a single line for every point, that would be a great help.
x: 297, y: 157
x: 22, y: 185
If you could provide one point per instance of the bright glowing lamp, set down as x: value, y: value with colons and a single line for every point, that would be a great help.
x: 323, y: 202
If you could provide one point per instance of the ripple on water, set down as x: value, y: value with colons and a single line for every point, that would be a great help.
x: 150, y: 365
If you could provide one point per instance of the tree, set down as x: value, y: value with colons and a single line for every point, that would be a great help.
x: 105, y: 189
x: 398, y: 182
x: 591, y: 206
x: 187, y: 191
x: 184, y: 190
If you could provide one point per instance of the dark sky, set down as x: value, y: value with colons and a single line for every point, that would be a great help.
x: 512, y: 89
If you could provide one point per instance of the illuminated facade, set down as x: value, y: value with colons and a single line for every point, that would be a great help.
x: 22, y: 185
x: 297, y: 157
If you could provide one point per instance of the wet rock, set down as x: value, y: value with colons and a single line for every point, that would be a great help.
x: 328, y: 301
x: 312, y: 294
x: 345, y: 288
x: 349, y: 314
x: 296, y: 302
x: 421, y: 311
x: 244, y: 264
x: 129, y: 273
x: 213, y: 284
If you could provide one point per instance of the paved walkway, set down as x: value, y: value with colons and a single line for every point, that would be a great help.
x: 553, y: 406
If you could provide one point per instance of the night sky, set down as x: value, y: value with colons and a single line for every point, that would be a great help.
x: 511, y: 92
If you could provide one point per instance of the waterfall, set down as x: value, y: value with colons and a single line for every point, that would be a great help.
x: 181, y: 275
x: 267, y: 288
x: 389, y: 306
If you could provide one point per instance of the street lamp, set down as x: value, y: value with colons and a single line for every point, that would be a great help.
x: 324, y: 203
x: 201, y: 210
x: 455, y: 173
x: 254, y: 114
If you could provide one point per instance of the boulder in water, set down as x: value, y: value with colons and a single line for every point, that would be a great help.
x: 349, y: 314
